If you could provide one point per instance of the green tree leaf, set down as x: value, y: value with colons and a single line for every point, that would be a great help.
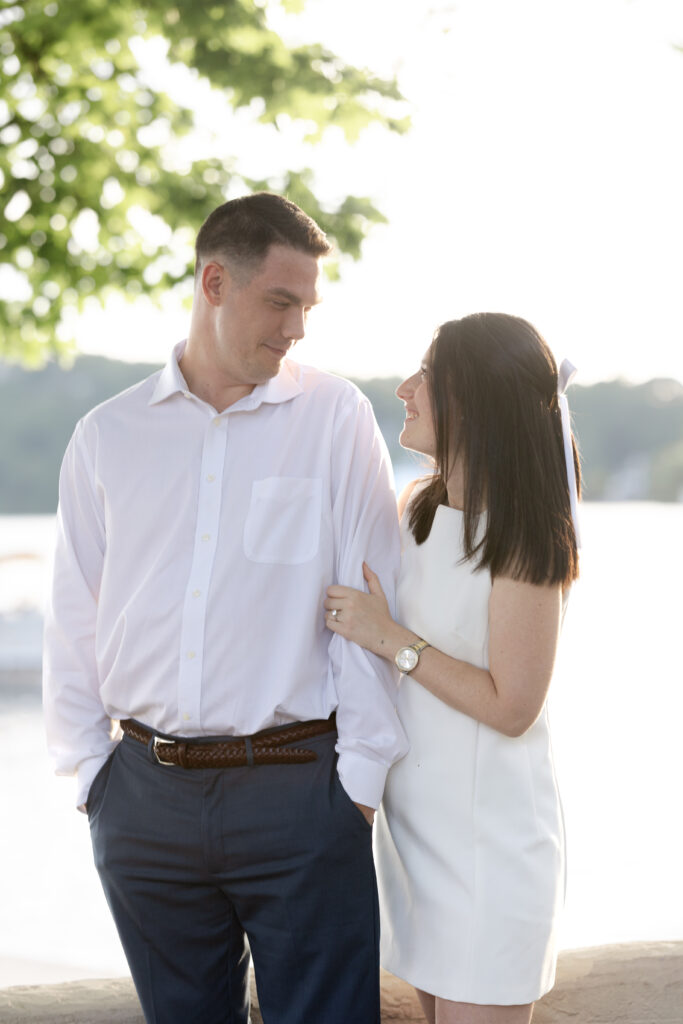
x: 95, y: 196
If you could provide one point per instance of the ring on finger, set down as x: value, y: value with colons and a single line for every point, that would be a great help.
x: 335, y: 613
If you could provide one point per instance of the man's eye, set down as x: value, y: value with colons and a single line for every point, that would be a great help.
x: 279, y: 304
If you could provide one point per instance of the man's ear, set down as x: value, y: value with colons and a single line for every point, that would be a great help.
x: 214, y: 281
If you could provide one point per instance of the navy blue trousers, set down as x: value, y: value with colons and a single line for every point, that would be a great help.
x: 201, y: 866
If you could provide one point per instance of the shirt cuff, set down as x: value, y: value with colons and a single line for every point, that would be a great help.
x: 362, y: 778
x: 87, y: 770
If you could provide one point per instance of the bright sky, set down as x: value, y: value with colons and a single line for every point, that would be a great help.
x: 542, y: 177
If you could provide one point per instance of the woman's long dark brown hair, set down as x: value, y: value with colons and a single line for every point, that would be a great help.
x: 493, y: 387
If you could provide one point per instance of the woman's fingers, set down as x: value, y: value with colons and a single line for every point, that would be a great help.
x: 338, y: 591
x: 372, y: 579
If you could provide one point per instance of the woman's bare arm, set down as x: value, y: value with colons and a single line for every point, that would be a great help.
x: 404, y: 496
x: 524, y: 625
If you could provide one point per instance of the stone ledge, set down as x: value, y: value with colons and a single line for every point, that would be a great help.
x: 638, y: 983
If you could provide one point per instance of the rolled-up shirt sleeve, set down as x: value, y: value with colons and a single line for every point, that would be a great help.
x: 371, y: 737
x: 78, y: 729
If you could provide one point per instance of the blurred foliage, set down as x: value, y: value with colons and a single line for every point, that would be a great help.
x: 92, y: 198
x: 667, y: 474
x: 630, y: 439
x: 630, y: 436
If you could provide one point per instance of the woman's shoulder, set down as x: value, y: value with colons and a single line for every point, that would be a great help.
x: 410, y: 491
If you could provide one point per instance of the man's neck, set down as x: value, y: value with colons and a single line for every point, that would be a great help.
x: 208, y: 383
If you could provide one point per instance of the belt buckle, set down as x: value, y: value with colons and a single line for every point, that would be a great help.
x: 156, y: 743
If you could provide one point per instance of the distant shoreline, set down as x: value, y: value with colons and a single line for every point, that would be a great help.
x: 629, y: 434
x: 20, y: 679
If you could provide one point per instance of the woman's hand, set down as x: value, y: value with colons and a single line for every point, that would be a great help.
x: 365, y: 618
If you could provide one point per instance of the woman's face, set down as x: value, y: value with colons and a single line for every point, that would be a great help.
x: 418, y: 432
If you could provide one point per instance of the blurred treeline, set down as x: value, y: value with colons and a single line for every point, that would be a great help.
x: 630, y: 436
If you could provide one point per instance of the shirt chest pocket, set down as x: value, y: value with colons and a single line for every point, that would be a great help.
x: 283, y: 520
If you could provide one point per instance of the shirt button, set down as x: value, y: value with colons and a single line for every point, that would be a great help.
x: 196, y: 593
x: 211, y: 478
x: 216, y: 421
x: 191, y: 655
x: 186, y: 394
x: 206, y: 536
x: 186, y: 716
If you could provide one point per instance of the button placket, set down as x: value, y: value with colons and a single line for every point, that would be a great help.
x: 204, y: 551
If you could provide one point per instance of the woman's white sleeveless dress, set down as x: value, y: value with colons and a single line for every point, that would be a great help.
x: 469, y: 838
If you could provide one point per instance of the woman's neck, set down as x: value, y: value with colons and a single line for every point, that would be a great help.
x: 455, y: 487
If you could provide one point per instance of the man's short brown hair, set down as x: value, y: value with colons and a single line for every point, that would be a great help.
x: 242, y: 231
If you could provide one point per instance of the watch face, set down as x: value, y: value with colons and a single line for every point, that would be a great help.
x: 406, y: 659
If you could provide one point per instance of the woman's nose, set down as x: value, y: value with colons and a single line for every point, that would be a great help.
x: 406, y: 388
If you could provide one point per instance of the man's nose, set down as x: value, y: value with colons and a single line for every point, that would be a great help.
x: 294, y: 325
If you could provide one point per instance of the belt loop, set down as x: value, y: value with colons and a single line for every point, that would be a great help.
x: 150, y: 750
x: 250, y: 752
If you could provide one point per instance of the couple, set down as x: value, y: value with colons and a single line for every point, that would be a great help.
x: 205, y: 517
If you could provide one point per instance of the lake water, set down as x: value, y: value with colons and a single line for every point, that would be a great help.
x: 616, y: 709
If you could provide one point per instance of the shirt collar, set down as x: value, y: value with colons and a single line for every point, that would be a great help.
x: 170, y: 380
x: 281, y: 388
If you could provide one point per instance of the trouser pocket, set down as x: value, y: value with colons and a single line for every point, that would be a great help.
x: 98, y: 786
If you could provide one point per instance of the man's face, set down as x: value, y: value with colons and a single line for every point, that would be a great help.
x: 259, y: 318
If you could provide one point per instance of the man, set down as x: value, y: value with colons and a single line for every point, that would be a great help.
x: 202, y: 515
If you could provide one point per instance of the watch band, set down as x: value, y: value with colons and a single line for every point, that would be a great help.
x: 407, y: 657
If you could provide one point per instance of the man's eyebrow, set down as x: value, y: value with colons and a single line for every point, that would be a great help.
x: 284, y: 293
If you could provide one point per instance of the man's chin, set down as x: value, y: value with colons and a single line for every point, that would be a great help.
x: 264, y: 373
x: 272, y: 366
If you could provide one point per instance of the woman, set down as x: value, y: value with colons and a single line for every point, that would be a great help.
x: 470, y: 844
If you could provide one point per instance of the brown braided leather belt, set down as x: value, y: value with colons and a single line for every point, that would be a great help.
x: 266, y: 747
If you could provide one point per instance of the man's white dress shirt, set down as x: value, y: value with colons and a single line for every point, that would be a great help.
x: 193, y: 554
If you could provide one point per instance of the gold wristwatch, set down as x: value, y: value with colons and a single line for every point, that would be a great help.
x: 407, y: 657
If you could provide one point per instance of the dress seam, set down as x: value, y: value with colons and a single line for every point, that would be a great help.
x: 475, y: 859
